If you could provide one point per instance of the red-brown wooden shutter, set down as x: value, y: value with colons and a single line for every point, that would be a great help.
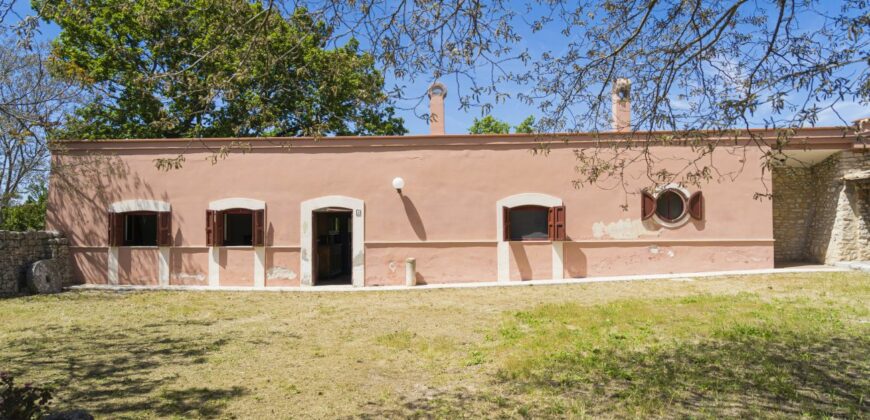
x: 506, y: 224
x: 112, y: 229
x: 559, y: 223
x: 551, y: 223
x: 164, y: 230
x: 696, y: 206
x: 259, y: 221
x: 647, y: 205
x: 218, y: 228
x: 209, y: 227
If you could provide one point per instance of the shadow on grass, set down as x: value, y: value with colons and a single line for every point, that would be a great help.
x: 197, y: 402
x: 115, y: 370
x: 748, y: 376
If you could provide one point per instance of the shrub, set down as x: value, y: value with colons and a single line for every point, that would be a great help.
x: 21, y: 402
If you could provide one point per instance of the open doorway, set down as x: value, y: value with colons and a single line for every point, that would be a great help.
x: 332, y: 246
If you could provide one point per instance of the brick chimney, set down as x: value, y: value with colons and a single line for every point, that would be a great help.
x: 437, y: 93
x: 621, y: 99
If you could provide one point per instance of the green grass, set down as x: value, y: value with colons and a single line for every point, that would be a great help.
x: 763, y: 346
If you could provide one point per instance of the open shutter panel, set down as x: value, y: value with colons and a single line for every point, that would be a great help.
x: 559, y: 216
x: 696, y: 206
x: 209, y: 227
x: 112, y: 231
x: 164, y: 231
x: 647, y: 205
x: 259, y: 227
x: 117, y: 235
x: 506, y: 224
x: 218, y: 228
x: 551, y: 223
x: 120, y: 228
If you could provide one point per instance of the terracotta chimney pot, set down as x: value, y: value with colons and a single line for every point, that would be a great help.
x: 621, y: 99
x: 437, y: 93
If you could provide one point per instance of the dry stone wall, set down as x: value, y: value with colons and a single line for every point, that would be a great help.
x: 818, y: 215
x: 793, y: 192
x: 20, y: 250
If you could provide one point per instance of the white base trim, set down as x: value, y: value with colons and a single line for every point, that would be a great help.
x: 163, y: 265
x: 504, y: 258
x: 112, y: 274
x: 558, y: 260
x: 586, y: 280
x: 214, y: 267
x: 259, y: 267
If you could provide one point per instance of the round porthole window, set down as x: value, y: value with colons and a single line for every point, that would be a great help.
x: 670, y: 205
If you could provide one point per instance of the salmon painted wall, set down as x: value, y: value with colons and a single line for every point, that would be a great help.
x: 445, y: 216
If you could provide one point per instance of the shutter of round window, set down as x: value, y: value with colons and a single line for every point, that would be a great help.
x: 647, y: 205
x: 696, y: 206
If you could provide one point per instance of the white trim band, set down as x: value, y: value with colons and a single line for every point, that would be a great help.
x: 237, y: 203
x: 139, y: 205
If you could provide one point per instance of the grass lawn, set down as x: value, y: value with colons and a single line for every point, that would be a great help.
x: 760, y: 346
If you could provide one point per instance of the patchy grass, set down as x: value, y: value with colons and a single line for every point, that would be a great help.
x: 763, y: 346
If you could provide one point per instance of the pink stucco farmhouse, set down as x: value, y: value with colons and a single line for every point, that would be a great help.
x: 304, y: 212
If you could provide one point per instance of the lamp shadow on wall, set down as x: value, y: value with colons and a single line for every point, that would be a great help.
x: 414, y: 218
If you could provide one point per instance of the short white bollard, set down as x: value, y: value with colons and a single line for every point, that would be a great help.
x: 410, y: 272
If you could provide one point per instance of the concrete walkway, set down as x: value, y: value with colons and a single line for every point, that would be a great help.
x: 585, y: 280
x: 854, y: 265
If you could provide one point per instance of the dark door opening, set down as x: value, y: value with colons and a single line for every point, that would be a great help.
x: 332, y: 246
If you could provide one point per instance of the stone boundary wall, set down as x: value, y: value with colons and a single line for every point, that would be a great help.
x: 818, y: 216
x: 18, y: 250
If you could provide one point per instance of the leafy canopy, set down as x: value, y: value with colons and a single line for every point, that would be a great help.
x: 489, y: 125
x: 492, y: 125
x: 29, y: 215
x: 527, y: 126
x: 204, y: 68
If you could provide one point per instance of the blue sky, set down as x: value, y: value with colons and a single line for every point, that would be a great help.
x: 510, y: 110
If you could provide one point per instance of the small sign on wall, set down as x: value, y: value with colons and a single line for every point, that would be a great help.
x: 358, y: 213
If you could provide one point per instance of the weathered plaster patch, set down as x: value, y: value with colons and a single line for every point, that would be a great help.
x: 622, y: 229
x: 280, y: 273
x: 655, y: 250
x: 187, y: 276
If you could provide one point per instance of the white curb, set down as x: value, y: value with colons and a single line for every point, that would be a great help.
x: 585, y: 280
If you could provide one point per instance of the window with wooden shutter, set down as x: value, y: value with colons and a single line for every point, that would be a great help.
x: 529, y: 223
x: 671, y: 205
x: 209, y: 227
x: 136, y: 228
x: 259, y: 227
x: 696, y: 206
x: 164, y: 222
x: 647, y: 205
x: 506, y: 223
